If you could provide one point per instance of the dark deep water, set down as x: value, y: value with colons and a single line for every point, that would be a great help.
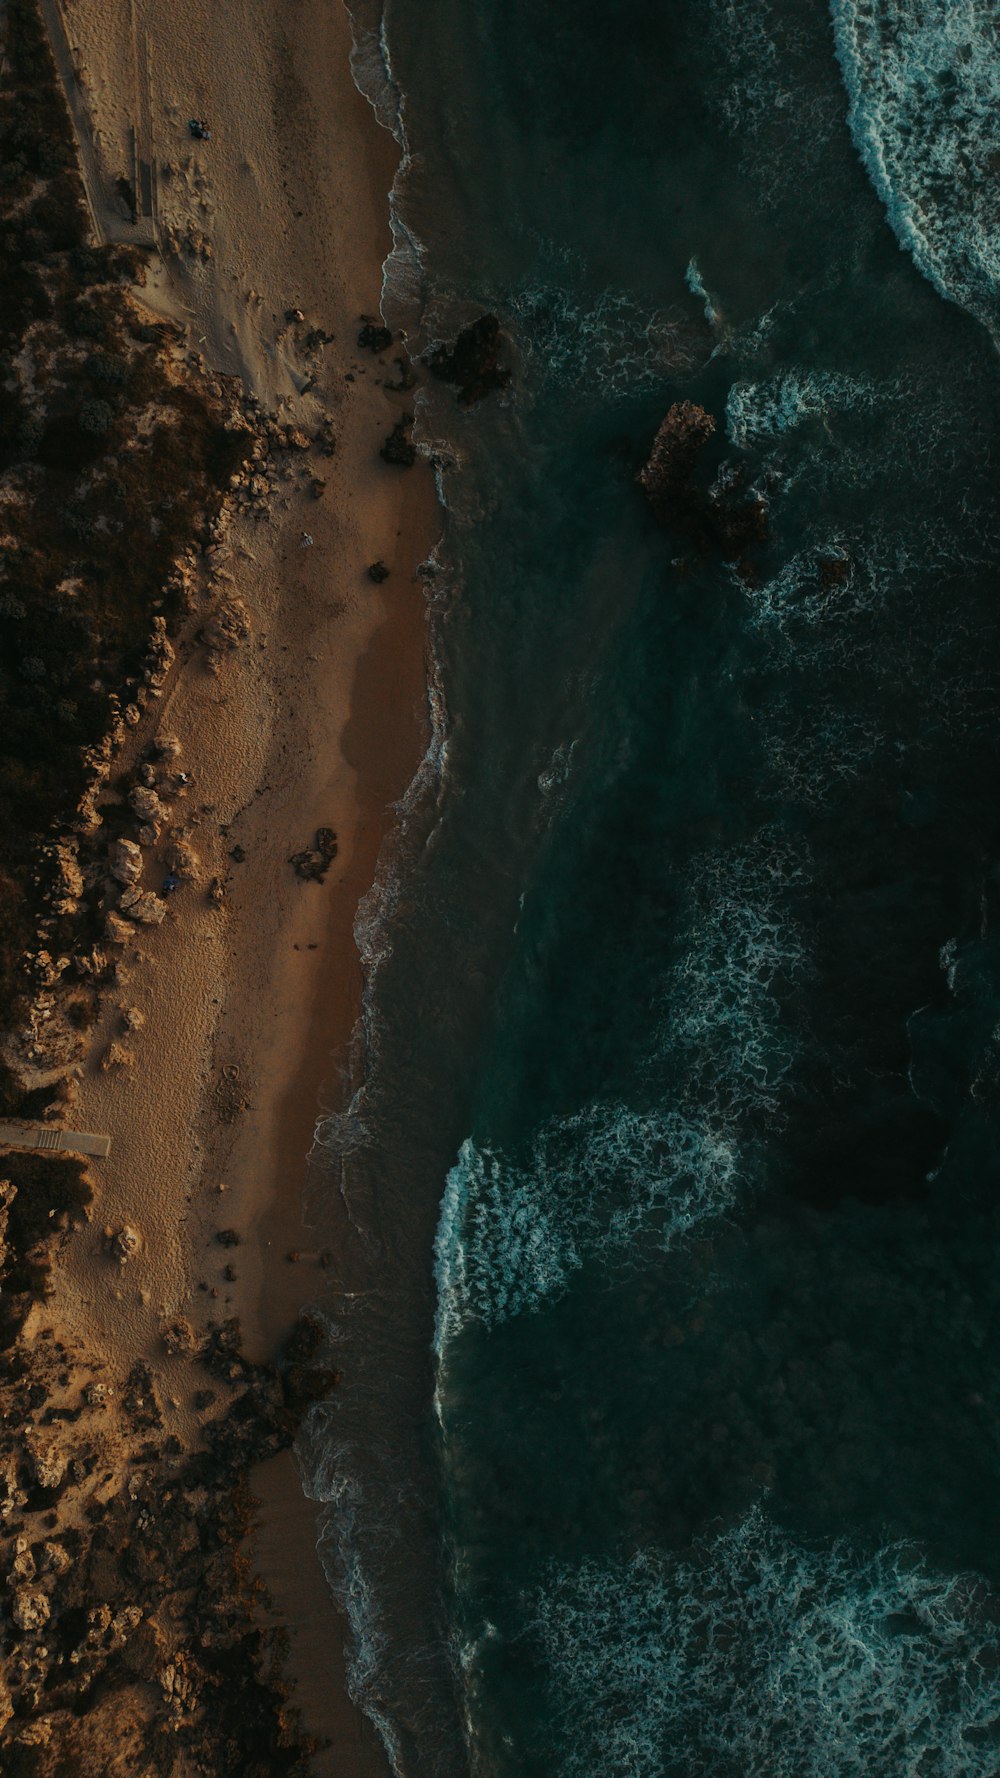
x: 685, y: 1034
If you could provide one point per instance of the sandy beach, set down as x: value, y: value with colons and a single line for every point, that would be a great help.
x: 317, y: 720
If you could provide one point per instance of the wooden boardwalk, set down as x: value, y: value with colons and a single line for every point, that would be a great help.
x: 46, y: 1136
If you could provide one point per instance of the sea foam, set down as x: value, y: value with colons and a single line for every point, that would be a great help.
x: 760, y: 1657
x: 923, y: 84
x: 512, y: 1233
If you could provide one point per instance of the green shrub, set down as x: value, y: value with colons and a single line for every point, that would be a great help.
x: 95, y: 416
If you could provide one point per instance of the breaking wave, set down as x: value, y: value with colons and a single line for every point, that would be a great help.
x: 720, y: 1010
x: 763, y: 1658
x: 511, y: 1234
x: 923, y: 85
x: 613, y: 344
x: 757, y: 412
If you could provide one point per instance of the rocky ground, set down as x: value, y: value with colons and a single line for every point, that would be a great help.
x: 129, y: 1638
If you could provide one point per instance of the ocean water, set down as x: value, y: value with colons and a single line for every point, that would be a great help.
x: 668, y: 1295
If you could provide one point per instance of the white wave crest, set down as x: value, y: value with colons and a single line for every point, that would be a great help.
x: 757, y: 412
x: 511, y: 1235
x: 923, y: 85
x: 720, y: 1010
x: 762, y: 1658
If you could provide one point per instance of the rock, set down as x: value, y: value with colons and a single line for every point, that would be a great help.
x: 312, y: 864
x: 167, y: 746
x: 471, y: 363
x: 6, y: 1706
x: 48, y: 1462
x: 69, y: 879
x: 664, y: 478
x: 374, y: 337
x: 31, y: 1609
x: 399, y: 448
x: 147, y: 909
x: 179, y: 1336
x: 228, y: 626
x: 116, y: 930
x: 97, y: 1395
x: 722, y: 517
x: 317, y: 487
x: 145, y: 804
x: 133, y: 1018
x: 148, y: 835
x: 325, y: 438
x: 216, y: 892
x: 378, y: 572
x: 126, y: 1243
x: 56, y: 1558
x: 182, y: 860
x: 228, y: 1238
x: 23, y: 1566
x: 125, y: 862
x: 117, y: 1056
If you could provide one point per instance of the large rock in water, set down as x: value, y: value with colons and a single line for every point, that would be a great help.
x: 666, y: 477
x: 726, y: 517
x: 471, y: 363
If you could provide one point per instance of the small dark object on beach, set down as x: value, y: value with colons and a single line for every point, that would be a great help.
x: 238, y: 855
x: 293, y: 1256
x: 378, y: 572
x: 405, y: 380
x: 199, y: 129
x: 203, y: 1398
x: 229, y: 1275
x: 170, y: 882
x: 228, y: 1238
x: 373, y: 336
x: 294, y: 315
x: 471, y: 363
x: 216, y: 892
x: 399, y: 448
x: 326, y: 1258
x: 317, y: 487
x: 313, y: 862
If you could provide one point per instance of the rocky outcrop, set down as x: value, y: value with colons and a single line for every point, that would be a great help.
x: 146, y: 805
x: 725, y: 517
x: 471, y: 363
x: 399, y: 449
x: 227, y: 628
x: 125, y: 862
x: 313, y: 862
x: 665, y: 478
x: 373, y: 336
x: 142, y: 906
x: 182, y: 860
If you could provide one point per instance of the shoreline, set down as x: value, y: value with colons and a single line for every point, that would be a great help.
x: 318, y: 720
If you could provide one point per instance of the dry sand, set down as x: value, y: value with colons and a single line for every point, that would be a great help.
x: 319, y: 720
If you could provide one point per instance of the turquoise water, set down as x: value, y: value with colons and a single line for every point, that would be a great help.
x: 668, y: 1440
